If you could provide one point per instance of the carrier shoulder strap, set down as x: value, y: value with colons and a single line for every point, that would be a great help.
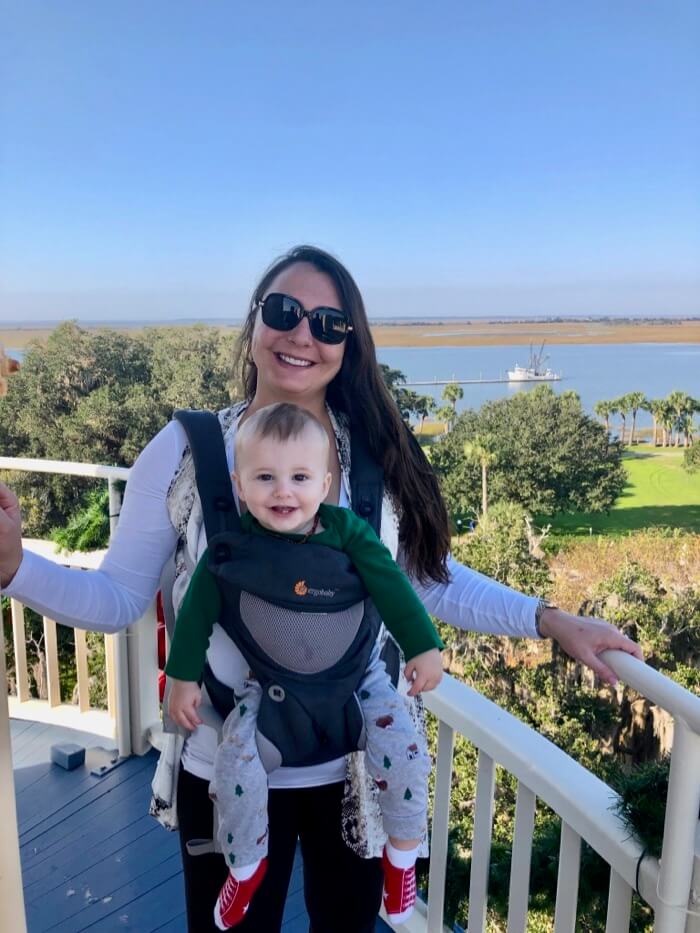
x: 366, y: 482
x: 214, y: 482
x: 211, y: 470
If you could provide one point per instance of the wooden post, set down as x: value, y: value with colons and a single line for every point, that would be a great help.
x: 19, y: 636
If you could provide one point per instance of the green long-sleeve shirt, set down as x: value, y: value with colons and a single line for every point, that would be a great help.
x: 391, y: 592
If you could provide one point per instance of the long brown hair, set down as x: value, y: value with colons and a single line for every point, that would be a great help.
x: 359, y: 390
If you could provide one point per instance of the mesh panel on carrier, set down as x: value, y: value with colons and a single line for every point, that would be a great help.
x: 303, y: 642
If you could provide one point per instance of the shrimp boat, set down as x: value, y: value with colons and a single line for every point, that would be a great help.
x: 535, y: 371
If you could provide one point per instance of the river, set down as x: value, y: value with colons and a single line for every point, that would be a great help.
x: 594, y: 371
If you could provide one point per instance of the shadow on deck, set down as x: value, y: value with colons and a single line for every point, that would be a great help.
x: 92, y: 858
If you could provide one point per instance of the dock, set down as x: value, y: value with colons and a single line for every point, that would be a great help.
x: 480, y: 381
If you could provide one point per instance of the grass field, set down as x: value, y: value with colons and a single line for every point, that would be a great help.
x: 659, y: 492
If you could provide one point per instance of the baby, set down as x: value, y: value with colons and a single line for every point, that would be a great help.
x: 282, y: 477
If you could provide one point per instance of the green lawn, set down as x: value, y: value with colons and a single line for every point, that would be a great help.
x: 659, y: 492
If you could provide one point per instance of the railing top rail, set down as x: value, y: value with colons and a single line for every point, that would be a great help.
x: 658, y: 688
x: 65, y: 467
x: 85, y: 560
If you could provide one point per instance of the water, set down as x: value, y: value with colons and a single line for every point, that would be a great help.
x: 594, y: 371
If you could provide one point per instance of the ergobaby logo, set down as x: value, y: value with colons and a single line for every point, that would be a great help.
x: 301, y: 589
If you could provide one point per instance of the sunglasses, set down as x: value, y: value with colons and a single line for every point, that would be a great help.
x: 282, y: 312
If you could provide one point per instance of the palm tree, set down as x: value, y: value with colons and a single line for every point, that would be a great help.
x: 604, y: 409
x: 655, y: 407
x: 622, y: 408
x: 478, y: 451
x: 681, y: 404
x: 668, y: 420
x: 614, y: 407
x: 696, y: 408
x: 445, y: 413
x: 635, y: 400
x: 425, y: 405
x: 452, y: 393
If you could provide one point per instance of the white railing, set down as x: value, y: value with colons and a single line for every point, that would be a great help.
x: 671, y: 885
x: 544, y: 772
x: 132, y: 716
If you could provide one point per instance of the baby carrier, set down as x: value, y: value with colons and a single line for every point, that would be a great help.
x: 306, y: 628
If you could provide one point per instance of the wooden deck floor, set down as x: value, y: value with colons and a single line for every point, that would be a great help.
x: 92, y: 858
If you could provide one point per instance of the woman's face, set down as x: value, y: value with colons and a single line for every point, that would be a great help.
x: 292, y: 364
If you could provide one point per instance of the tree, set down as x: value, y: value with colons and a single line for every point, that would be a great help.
x: 667, y: 420
x: 452, y: 393
x: 604, y: 409
x: 445, y: 413
x: 635, y: 400
x: 656, y: 408
x: 394, y: 378
x: 691, y: 459
x: 615, y: 410
x: 622, y: 408
x: 500, y: 547
x: 99, y: 396
x: 478, y: 451
x: 408, y: 402
x: 551, y: 456
x: 683, y: 407
x: 425, y: 406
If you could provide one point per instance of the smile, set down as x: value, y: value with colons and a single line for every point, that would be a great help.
x: 293, y: 360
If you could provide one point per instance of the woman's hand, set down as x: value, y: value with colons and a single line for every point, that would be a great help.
x: 425, y: 671
x: 10, y: 535
x: 584, y: 639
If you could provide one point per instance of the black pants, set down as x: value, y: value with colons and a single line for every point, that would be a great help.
x: 342, y: 891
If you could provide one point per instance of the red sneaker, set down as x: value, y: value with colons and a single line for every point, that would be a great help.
x: 399, y: 890
x: 235, y: 897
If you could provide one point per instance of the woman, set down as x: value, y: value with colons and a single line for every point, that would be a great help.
x: 306, y: 340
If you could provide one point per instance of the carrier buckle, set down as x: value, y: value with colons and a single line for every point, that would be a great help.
x: 276, y: 693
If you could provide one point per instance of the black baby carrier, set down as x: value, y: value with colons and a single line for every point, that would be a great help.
x: 299, y: 614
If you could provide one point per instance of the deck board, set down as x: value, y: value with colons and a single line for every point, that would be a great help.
x: 92, y: 858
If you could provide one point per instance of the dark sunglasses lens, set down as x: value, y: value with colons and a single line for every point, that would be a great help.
x: 329, y: 325
x: 280, y: 312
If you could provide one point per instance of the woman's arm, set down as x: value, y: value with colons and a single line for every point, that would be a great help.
x: 117, y: 594
x: 475, y: 602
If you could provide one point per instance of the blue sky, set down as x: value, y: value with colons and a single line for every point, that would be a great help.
x: 460, y: 157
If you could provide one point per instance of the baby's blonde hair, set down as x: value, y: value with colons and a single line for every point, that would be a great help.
x: 282, y: 421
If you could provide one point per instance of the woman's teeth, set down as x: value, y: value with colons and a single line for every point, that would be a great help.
x: 293, y: 361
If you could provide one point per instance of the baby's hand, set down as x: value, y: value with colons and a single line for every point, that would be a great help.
x: 185, y: 697
x: 425, y: 670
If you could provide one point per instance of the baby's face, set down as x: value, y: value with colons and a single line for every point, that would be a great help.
x: 283, y: 482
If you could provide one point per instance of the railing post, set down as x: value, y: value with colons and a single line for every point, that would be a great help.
x: 143, y: 680
x: 680, y: 827
x: 440, y: 827
x: 12, y: 915
x: 693, y: 922
x: 19, y: 636
x: 121, y: 657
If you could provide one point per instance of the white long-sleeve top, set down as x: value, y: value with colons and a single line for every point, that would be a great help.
x: 118, y: 593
